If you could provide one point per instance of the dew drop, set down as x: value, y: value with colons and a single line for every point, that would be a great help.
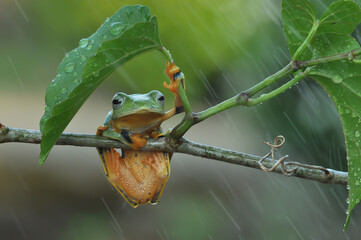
x: 337, y: 79
x: 357, y: 133
x: 83, y: 42
x: 347, y: 200
x: 347, y: 211
x: 82, y: 58
x: 348, y: 187
x: 63, y: 90
x: 69, y: 67
x: 76, y: 81
x: 116, y: 28
x: 96, y: 74
x: 90, y: 46
x: 130, y: 14
x: 105, y: 36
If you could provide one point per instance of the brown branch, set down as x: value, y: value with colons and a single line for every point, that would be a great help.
x: 316, y: 173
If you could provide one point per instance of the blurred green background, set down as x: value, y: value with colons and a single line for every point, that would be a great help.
x: 223, y: 47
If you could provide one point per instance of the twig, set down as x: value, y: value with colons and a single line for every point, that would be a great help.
x: 310, y: 172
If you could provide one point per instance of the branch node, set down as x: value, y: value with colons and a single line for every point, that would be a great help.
x: 243, y: 96
x: 296, y: 64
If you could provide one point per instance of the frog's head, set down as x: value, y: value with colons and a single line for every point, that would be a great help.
x: 151, y: 103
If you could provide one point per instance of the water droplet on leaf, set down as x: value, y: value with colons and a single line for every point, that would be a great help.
x: 337, y: 79
x: 357, y: 134
x: 89, y: 47
x: 116, y: 28
x: 69, y: 67
x: 83, y: 42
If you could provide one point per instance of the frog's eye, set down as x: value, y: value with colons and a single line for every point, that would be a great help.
x: 117, y: 102
x: 161, y: 98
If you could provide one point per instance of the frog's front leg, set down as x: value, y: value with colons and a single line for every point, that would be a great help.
x: 176, y: 79
x: 134, y: 141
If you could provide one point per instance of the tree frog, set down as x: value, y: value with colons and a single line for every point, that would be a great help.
x: 139, y: 176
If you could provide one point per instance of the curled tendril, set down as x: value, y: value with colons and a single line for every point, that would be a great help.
x: 278, y: 143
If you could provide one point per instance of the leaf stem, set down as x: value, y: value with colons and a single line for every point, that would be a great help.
x: 307, y: 41
x: 167, y: 54
x: 287, y: 70
x: 272, y: 94
x: 337, y: 57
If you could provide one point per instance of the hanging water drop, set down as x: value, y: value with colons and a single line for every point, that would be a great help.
x: 69, y: 67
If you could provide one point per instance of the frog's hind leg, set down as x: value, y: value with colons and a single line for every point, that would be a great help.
x: 111, y: 164
x: 103, y: 153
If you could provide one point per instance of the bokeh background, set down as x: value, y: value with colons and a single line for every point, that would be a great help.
x: 223, y: 47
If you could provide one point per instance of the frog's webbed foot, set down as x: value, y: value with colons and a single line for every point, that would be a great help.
x: 157, y: 133
x: 124, y: 136
x: 176, y: 79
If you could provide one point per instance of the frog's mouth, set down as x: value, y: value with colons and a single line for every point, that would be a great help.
x: 139, y: 120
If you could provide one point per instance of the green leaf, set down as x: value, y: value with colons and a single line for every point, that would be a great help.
x: 298, y: 17
x: 341, y: 79
x: 341, y: 17
x: 129, y: 32
x: 347, y: 97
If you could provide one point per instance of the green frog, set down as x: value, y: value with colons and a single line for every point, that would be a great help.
x: 139, y: 176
